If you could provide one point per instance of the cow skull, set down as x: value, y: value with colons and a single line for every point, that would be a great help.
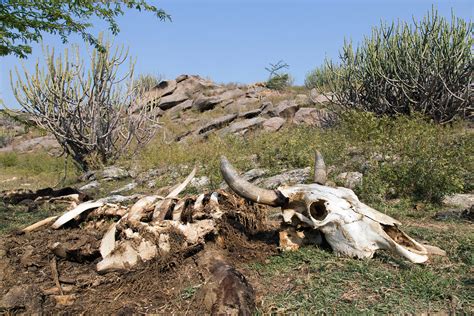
x: 350, y: 227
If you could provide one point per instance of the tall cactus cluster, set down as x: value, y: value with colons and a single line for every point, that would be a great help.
x: 426, y: 67
x: 88, y: 109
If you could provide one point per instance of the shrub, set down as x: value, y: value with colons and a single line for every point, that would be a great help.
x: 8, y: 160
x: 92, y: 113
x: 145, y: 83
x: 403, y: 68
x: 318, y: 79
x: 278, y: 80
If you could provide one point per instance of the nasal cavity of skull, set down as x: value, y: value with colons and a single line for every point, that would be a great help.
x: 318, y: 210
x: 400, y: 238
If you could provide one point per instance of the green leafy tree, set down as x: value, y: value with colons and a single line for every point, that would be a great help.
x: 24, y: 21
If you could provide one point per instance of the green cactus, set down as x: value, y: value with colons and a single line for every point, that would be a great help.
x: 425, y: 67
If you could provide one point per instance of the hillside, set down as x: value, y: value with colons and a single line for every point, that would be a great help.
x: 417, y: 172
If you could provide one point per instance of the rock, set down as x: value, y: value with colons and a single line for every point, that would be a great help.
x: 173, y: 100
x: 164, y: 88
x: 183, y: 106
x: 231, y: 94
x: 463, y: 201
x: 251, y: 114
x: 313, y: 117
x: 243, y: 125
x: 286, y: 178
x: 200, y: 182
x: 114, y: 173
x: 217, y: 123
x: 22, y: 297
x: 125, y: 188
x: 318, y: 98
x: 43, y: 142
x: 302, y: 99
x: 286, y: 109
x: 456, y: 214
x: 120, y: 198
x: 203, y: 103
x: 88, y: 176
x: 350, y: 179
x: 181, y: 78
x: 251, y: 176
x: 242, y: 103
x: 150, y: 174
x: 225, y: 290
x: 94, y: 185
x: 266, y: 107
x: 273, y: 124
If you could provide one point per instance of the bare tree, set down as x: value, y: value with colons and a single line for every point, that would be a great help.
x: 88, y: 111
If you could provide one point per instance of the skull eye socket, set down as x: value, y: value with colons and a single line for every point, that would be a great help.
x: 318, y: 210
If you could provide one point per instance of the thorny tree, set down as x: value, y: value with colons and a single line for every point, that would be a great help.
x: 92, y: 113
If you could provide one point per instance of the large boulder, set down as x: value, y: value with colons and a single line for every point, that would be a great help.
x: 251, y: 113
x: 251, y: 176
x: 203, y: 103
x: 313, y: 117
x: 286, y: 109
x: 273, y: 124
x: 217, y: 123
x: 286, y: 178
x: 462, y: 201
x: 302, y: 99
x: 169, y: 101
x: 231, y: 94
x: 44, y: 142
x: 317, y: 98
x: 181, y: 107
x: 243, y: 126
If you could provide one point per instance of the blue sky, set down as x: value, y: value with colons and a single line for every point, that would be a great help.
x: 233, y: 41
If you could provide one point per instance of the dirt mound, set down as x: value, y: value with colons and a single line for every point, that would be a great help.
x: 165, y: 284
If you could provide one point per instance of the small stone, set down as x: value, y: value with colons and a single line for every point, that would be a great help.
x: 200, y: 182
x: 114, y: 173
x: 94, y: 185
x: 350, y: 179
x: 125, y: 188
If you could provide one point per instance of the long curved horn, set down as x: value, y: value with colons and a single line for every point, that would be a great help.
x: 247, y: 190
x: 320, y: 176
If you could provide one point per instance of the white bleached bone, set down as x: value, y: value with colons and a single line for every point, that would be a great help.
x: 39, y: 224
x: 78, y: 210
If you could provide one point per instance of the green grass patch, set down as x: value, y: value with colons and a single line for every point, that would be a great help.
x: 406, y: 157
x: 313, y: 280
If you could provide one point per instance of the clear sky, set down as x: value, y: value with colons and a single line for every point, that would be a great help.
x: 234, y: 40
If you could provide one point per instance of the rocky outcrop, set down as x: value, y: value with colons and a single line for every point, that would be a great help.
x: 239, y: 108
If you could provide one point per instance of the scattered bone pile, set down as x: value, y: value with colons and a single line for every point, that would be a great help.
x: 155, y: 226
